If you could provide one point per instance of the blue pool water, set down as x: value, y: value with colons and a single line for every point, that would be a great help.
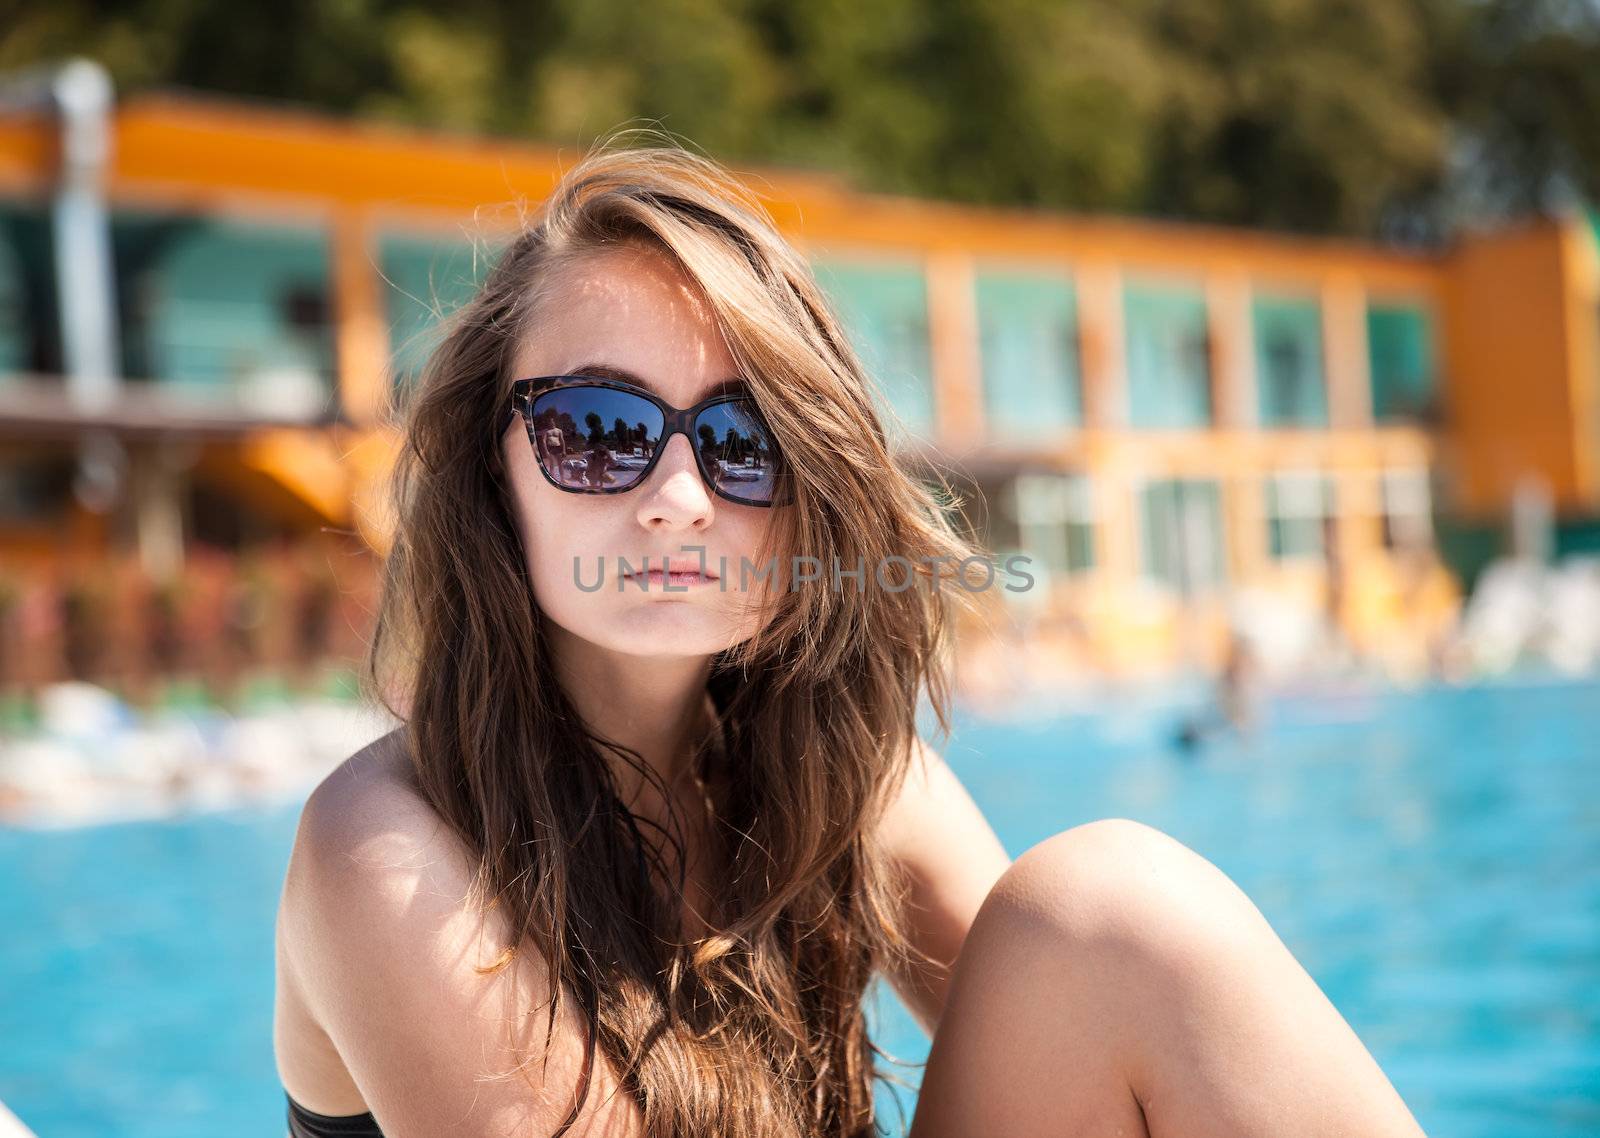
x: 1433, y: 859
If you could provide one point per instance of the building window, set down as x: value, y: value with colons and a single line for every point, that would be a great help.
x: 1028, y: 345
x: 884, y: 309
x: 227, y: 309
x: 1289, y: 372
x: 1401, y: 359
x: 14, y: 346
x: 1300, y: 510
x: 1181, y: 533
x: 30, y: 326
x: 424, y: 280
x: 1054, y: 515
x: 1407, y: 508
x: 1169, y: 358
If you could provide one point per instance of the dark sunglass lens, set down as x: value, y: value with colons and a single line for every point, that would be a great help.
x: 737, y: 451
x: 594, y: 438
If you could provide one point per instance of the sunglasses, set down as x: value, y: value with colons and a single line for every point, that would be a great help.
x: 603, y: 436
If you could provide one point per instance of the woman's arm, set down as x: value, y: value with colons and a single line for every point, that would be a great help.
x: 380, y: 940
x: 940, y: 840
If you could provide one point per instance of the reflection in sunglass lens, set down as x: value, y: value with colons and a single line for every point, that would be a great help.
x: 595, y: 438
x: 737, y: 452
x: 590, y: 438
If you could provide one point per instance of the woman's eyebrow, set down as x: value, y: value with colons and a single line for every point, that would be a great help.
x: 623, y: 375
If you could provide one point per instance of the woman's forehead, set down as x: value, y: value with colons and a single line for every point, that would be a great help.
x: 638, y: 311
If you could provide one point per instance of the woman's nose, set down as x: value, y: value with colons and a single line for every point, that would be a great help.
x: 675, y: 493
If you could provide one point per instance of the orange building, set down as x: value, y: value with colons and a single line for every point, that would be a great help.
x: 1167, y: 418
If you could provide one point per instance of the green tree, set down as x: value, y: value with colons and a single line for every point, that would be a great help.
x: 1356, y: 116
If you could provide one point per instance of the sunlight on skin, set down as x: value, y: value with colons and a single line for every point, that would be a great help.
x: 633, y: 309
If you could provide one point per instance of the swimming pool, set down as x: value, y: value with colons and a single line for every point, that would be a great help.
x: 1432, y: 858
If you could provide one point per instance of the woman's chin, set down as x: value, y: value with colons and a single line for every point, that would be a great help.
x: 677, y: 627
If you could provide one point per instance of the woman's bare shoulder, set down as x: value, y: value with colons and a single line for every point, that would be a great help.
x: 366, y: 832
x: 397, y: 960
x: 371, y: 784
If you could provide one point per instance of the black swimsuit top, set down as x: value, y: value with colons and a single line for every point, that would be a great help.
x: 305, y: 1123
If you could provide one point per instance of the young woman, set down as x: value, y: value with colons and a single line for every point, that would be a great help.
x: 644, y: 838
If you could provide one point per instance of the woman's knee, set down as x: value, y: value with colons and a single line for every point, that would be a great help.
x: 1112, y: 885
x: 1188, y: 994
x: 1045, y: 1018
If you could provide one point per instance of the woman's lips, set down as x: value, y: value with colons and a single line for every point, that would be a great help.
x: 657, y: 577
x: 675, y: 573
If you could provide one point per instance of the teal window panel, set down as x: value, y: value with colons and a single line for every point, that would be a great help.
x: 13, y: 309
x: 30, y: 332
x: 1400, y: 356
x: 218, y: 305
x: 1028, y: 348
x: 1290, y: 381
x: 884, y: 309
x: 1181, y: 535
x: 1299, y: 507
x: 1168, y: 355
x: 425, y: 279
x: 142, y: 245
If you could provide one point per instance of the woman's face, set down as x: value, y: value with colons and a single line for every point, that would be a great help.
x: 632, y: 310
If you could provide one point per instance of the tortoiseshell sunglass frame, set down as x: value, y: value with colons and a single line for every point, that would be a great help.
x: 676, y: 420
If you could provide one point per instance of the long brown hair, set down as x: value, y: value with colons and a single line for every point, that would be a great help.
x: 759, y: 1028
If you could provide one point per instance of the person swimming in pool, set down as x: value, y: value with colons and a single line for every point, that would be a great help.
x: 633, y: 856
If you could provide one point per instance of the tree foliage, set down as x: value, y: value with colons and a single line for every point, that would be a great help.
x: 1367, y: 117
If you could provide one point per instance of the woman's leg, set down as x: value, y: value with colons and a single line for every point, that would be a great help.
x: 1117, y: 983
